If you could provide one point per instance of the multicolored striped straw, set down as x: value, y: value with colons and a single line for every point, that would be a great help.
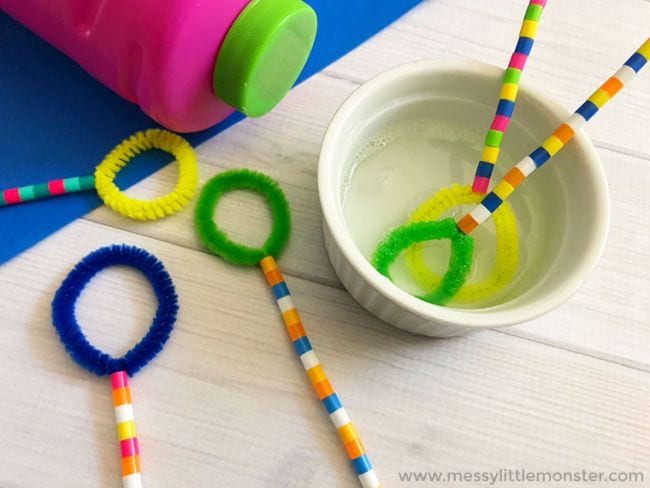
x: 13, y: 196
x: 104, y: 179
x: 508, y: 96
x: 125, y: 419
x: 235, y: 253
x: 348, y: 434
x: 563, y: 134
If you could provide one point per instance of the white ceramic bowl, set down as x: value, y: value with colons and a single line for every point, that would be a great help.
x: 573, y: 187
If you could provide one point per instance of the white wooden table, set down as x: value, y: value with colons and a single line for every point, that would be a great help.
x: 227, y: 405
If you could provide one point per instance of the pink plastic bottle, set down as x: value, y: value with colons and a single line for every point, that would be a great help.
x: 187, y: 63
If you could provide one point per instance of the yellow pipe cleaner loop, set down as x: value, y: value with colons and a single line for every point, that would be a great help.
x: 118, y: 158
x: 507, y: 245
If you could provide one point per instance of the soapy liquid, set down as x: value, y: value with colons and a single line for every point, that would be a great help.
x: 401, y: 167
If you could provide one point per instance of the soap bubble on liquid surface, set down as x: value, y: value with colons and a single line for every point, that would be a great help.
x: 387, y: 176
x: 380, y: 141
x: 396, y: 171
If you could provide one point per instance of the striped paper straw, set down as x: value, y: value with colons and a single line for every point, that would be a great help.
x: 508, y: 96
x: 21, y: 194
x: 563, y: 134
x: 348, y: 434
x: 130, y: 450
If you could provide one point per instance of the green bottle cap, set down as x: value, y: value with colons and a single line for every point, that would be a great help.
x: 263, y: 54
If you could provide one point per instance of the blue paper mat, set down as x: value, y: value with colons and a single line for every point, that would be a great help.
x: 57, y: 122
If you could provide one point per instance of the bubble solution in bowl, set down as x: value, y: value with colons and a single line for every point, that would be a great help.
x: 420, y: 126
x: 415, y: 152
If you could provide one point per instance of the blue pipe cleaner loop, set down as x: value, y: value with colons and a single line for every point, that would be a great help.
x: 69, y: 330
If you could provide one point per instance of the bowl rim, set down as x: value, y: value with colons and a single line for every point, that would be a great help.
x: 490, y: 317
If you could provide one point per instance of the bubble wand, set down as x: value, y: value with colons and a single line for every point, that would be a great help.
x: 462, y: 245
x: 103, y: 181
x: 506, y: 259
x: 238, y: 254
x: 101, y: 363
